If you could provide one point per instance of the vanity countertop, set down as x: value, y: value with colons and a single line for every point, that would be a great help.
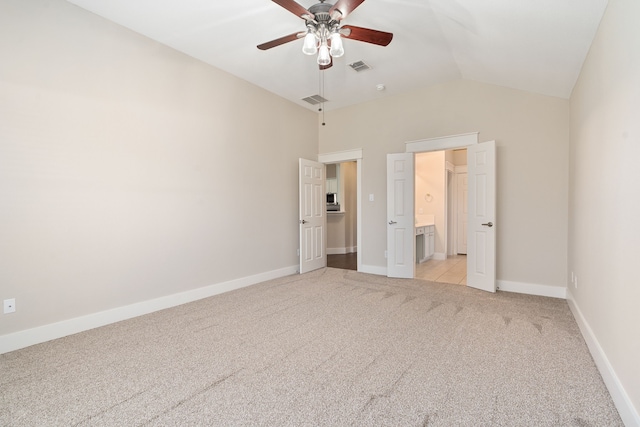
x: 424, y: 224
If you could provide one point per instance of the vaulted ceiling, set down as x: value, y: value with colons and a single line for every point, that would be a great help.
x: 532, y: 45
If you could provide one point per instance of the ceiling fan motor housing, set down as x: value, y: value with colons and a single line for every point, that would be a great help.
x: 320, y: 16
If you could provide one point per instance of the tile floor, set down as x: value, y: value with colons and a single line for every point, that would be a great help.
x: 452, y: 270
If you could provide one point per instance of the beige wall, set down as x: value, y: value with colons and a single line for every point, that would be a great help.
x: 459, y: 157
x: 604, y: 232
x: 129, y: 171
x: 531, y: 132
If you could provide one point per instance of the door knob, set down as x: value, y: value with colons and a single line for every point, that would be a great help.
x: 302, y: 221
x: 392, y: 222
x: 489, y: 224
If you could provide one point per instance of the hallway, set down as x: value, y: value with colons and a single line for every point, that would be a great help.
x: 345, y: 261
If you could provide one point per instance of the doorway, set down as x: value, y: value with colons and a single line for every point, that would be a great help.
x: 342, y: 215
x: 354, y: 157
x: 441, y: 205
x: 481, y: 235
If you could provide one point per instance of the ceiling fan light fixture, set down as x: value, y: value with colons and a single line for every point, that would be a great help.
x: 310, y: 44
x: 337, y: 50
x: 324, y: 58
x: 325, y: 31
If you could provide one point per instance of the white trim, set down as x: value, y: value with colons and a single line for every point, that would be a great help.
x: 373, y: 269
x: 620, y: 398
x: 454, y: 208
x: 532, y: 289
x: 442, y: 143
x: 448, y: 166
x: 340, y: 156
x: 341, y: 251
x: 40, y: 334
x: 461, y: 169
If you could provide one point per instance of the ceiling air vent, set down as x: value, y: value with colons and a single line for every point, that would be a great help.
x: 315, y: 99
x: 360, y: 66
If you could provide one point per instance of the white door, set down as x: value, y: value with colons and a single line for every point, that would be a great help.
x: 463, y: 213
x: 481, y: 258
x: 401, y: 239
x: 313, y: 216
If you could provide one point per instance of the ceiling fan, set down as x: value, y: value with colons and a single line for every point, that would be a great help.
x: 324, y: 32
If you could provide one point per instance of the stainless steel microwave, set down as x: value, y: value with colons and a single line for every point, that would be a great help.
x: 332, y: 199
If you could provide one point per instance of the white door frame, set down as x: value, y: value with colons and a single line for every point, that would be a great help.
x: 443, y: 143
x: 350, y: 156
x: 459, y: 170
x: 448, y: 169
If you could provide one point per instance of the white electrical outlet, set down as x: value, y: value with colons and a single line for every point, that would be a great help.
x: 575, y: 281
x: 572, y: 279
x: 385, y: 254
x: 371, y: 197
x: 9, y: 305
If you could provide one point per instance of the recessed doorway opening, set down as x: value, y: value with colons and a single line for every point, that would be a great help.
x: 403, y: 228
x: 441, y: 211
x: 342, y: 215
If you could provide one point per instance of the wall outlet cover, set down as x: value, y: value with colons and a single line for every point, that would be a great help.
x: 9, y: 306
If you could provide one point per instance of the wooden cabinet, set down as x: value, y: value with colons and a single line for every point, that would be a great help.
x: 430, y: 240
x: 425, y: 242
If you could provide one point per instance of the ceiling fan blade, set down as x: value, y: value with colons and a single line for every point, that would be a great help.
x: 295, y: 8
x: 345, y: 7
x: 366, y: 35
x: 324, y: 67
x: 278, y: 42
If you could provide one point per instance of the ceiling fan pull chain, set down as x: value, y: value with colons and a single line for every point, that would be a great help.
x: 320, y: 107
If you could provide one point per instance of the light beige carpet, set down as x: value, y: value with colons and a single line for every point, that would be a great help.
x: 332, y: 347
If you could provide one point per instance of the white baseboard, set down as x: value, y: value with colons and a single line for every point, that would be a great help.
x: 40, y: 334
x: 341, y: 251
x: 532, y: 289
x: 440, y: 256
x: 627, y: 411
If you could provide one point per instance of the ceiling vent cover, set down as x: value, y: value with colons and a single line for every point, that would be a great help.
x: 360, y: 66
x: 315, y: 99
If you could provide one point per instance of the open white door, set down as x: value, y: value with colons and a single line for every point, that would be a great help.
x: 313, y: 216
x: 481, y: 256
x: 401, y: 239
x: 463, y: 212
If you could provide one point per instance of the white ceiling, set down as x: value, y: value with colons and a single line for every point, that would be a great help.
x: 533, y: 45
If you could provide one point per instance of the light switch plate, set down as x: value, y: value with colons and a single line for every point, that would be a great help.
x: 9, y: 305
